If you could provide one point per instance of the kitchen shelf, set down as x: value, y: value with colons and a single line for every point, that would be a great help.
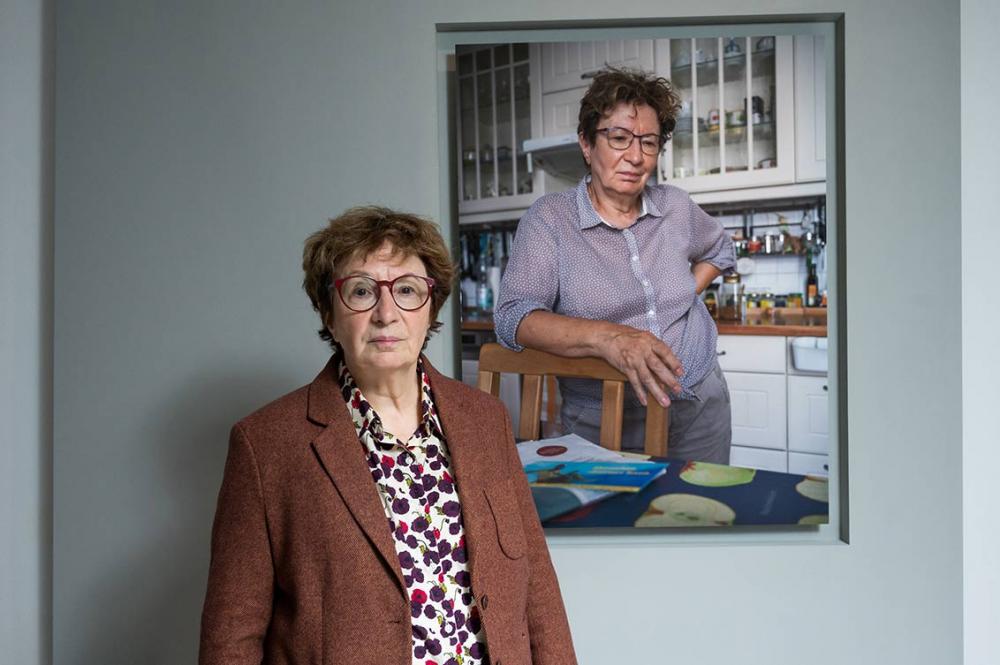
x: 684, y: 140
x: 680, y: 75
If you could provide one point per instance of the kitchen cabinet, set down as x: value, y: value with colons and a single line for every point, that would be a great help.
x: 813, y: 465
x: 808, y: 414
x: 752, y: 353
x: 810, y: 108
x: 758, y: 409
x: 754, y: 367
x: 493, y: 120
x: 780, y: 415
x: 736, y: 124
x: 758, y: 458
x: 571, y: 65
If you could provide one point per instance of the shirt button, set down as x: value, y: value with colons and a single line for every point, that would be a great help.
x: 645, y: 282
x: 651, y: 313
x: 483, y: 602
x: 635, y: 257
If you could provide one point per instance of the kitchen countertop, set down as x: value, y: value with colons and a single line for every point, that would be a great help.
x: 783, y: 322
x: 787, y: 322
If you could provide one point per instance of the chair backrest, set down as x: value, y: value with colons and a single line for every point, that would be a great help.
x: 535, y: 365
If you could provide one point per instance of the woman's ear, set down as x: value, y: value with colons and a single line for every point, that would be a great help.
x: 584, y: 147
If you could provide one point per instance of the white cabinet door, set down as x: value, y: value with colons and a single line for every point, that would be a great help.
x: 561, y: 112
x: 718, y: 144
x: 758, y: 458
x: 758, y: 409
x: 806, y: 463
x: 751, y: 353
x: 808, y: 414
x: 810, y: 108
x: 568, y: 65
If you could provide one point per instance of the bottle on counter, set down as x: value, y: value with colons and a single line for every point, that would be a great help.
x: 484, y: 293
x: 467, y: 284
x: 812, y: 284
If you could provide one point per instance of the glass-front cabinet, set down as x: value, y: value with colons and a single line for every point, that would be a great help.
x: 735, y: 126
x: 494, y: 119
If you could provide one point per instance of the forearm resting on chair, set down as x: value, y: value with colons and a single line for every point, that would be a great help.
x: 648, y: 363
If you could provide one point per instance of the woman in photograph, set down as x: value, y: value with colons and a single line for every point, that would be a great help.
x: 614, y: 269
x: 379, y: 514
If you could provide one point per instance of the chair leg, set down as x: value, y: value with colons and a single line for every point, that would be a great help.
x: 657, y: 429
x: 612, y: 401
x: 531, y: 407
x: 489, y: 382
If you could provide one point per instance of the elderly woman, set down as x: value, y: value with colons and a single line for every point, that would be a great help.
x: 379, y: 514
x: 614, y: 268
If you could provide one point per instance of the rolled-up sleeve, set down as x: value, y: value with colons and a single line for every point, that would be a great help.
x: 531, y: 281
x: 710, y: 242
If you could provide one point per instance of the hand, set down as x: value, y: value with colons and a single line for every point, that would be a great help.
x: 648, y: 363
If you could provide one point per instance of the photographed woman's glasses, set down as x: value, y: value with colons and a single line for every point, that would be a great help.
x: 360, y: 293
x: 620, y: 138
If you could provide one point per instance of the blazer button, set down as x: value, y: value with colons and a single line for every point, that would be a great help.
x: 482, y: 603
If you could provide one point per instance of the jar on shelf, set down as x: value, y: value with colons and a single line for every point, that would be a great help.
x: 730, y: 305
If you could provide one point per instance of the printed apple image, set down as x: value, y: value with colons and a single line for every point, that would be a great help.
x: 815, y: 488
x: 706, y: 474
x: 685, y: 510
x: 812, y: 520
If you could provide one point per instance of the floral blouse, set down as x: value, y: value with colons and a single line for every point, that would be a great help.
x: 418, y: 493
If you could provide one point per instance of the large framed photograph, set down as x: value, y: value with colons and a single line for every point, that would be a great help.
x: 698, y: 207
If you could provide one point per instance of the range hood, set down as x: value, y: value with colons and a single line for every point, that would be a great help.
x: 559, y: 156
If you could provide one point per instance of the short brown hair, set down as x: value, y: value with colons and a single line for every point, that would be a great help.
x: 613, y: 86
x: 359, y: 232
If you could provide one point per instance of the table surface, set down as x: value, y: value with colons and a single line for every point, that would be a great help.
x: 693, y: 494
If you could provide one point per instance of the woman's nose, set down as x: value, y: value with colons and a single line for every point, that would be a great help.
x: 633, y: 153
x: 385, y: 309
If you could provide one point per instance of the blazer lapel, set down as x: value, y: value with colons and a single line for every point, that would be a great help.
x: 342, y: 457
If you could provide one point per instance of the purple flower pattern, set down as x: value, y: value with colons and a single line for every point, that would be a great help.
x: 421, y: 504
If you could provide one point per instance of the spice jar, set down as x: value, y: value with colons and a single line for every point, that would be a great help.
x: 731, y: 298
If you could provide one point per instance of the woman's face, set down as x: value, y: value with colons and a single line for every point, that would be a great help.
x: 384, y: 339
x: 622, y: 172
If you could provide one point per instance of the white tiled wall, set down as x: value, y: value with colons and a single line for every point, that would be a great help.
x: 777, y: 274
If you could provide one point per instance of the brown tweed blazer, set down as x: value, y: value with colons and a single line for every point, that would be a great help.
x: 304, y: 570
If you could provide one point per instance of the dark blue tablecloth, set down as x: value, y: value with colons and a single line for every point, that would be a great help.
x: 681, y: 498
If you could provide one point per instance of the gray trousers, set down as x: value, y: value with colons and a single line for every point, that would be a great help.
x: 700, y: 429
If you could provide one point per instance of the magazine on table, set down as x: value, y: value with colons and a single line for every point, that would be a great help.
x: 554, y: 501
x: 614, y: 476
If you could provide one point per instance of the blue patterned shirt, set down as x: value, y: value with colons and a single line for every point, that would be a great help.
x: 567, y: 260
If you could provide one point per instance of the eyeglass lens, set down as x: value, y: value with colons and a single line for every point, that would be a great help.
x: 621, y: 139
x: 362, y: 293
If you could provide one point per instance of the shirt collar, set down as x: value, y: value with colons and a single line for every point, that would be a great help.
x: 589, y: 217
x: 367, y: 421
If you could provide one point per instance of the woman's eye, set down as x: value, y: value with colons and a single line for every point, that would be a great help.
x: 405, y: 290
x: 360, y: 291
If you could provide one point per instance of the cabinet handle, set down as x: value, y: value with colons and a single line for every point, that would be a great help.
x: 723, y: 352
x: 824, y: 388
x: 589, y: 75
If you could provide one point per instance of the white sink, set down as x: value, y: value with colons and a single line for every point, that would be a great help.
x: 809, y: 354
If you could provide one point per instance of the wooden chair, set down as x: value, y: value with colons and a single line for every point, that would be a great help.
x: 534, y: 366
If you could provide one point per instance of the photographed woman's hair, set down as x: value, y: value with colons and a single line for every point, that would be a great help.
x: 361, y: 231
x: 613, y: 86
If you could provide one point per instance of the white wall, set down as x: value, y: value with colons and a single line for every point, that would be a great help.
x: 195, y: 149
x: 980, y: 323
x: 25, y: 330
